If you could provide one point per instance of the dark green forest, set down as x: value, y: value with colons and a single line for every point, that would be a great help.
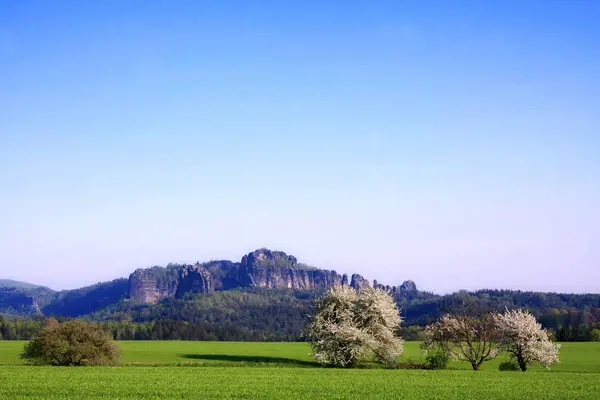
x: 252, y: 314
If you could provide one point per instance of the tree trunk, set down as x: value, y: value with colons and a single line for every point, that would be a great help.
x: 475, y: 366
x: 522, y: 364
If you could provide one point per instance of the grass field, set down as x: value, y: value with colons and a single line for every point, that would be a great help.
x: 277, y: 370
x: 288, y: 383
x: 575, y: 357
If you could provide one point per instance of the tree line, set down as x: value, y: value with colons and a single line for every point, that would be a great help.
x: 281, y: 315
x: 25, y: 329
x: 167, y: 329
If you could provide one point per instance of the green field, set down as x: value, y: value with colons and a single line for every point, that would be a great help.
x: 575, y: 357
x: 276, y: 370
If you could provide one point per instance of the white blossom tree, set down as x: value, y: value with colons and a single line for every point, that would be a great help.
x: 349, y: 326
x: 524, y: 339
x: 378, y: 317
x: 464, y: 338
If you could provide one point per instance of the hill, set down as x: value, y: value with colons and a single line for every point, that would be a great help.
x: 24, y: 301
x: 266, y: 296
x: 259, y: 269
x: 18, y: 284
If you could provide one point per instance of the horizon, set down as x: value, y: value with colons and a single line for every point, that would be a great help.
x: 470, y: 290
x: 455, y: 145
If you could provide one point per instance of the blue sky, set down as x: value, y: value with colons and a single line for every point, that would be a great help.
x: 453, y: 143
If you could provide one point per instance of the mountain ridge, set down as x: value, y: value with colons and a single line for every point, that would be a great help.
x: 265, y: 289
x: 262, y: 268
x: 20, y: 284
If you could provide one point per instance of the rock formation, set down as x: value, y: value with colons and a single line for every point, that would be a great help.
x: 358, y: 282
x: 275, y: 269
x: 194, y: 279
x: 408, y: 286
x: 262, y: 268
x: 150, y: 285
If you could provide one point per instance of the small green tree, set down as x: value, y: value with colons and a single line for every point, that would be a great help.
x: 436, y: 358
x: 596, y: 335
x: 72, y: 343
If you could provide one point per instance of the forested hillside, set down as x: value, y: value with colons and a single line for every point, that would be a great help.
x: 266, y: 296
x: 280, y: 315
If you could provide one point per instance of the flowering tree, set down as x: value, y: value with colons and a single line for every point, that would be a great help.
x: 349, y: 326
x: 525, y: 340
x: 378, y: 317
x: 464, y: 338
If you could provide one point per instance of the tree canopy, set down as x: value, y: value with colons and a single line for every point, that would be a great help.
x: 72, y: 343
x: 349, y: 326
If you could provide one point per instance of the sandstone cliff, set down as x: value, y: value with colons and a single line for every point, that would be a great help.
x: 194, y: 279
x: 275, y: 269
x: 407, y: 286
x: 152, y: 284
x: 262, y: 268
x: 358, y: 282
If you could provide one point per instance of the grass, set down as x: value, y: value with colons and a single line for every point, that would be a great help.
x: 575, y: 357
x: 19, y: 382
x: 285, y: 370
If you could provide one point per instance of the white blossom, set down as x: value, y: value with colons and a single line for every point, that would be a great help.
x: 349, y: 326
x: 525, y: 340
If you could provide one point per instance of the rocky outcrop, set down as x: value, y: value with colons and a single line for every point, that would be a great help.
x: 222, y: 273
x: 262, y: 268
x: 275, y: 269
x: 150, y: 285
x: 153, y: 284
x: 408, y: 286
x: 358, y: 282
x: 194, y: 279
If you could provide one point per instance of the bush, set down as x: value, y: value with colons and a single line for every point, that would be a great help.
x: 436, y: 359
x: 410, y: 364
x: 72, y: 343
x: 508, y: 366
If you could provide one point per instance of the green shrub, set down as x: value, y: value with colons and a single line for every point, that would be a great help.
x: 71, y: 343
x: 436, y: 359
x: 508, y: 366
x: 410, y: 364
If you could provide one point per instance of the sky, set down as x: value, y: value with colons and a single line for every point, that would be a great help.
x: 454, y: 143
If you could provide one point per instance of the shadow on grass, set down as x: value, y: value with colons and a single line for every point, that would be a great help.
x: 251, y: 359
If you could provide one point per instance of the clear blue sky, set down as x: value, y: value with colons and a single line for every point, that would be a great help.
x: 453, y: 143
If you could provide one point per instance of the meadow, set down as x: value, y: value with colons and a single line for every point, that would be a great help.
x: 227, y: 370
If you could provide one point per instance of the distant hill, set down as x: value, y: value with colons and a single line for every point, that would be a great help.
x: 86, y: 300
x: 266, y: 296
x: 260, y: 269
x: 19, y: 285
x: 21, y: 298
